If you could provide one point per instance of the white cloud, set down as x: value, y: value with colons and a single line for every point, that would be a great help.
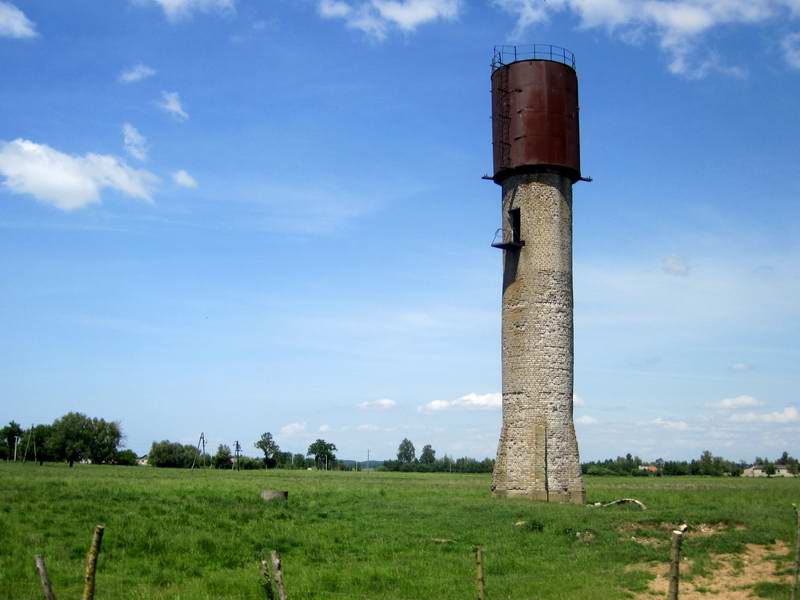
x: 324, y: 428
x: 69, y: 182
x: 677, y: 25
x: 176, y: 10
x: 471, y: 401
x: 292, y: 429
x: 382, y: 404
x: 135, y: 142
x: 790, y: 414
x: 331, y: 9
x: 741, y: 367
x: 578, y: 401
x: 669, y: 424
x: 737, y: 402
x: 368, y: 427
x: 586, y: 420
x: 376, y: 17
x: 675, y: 265
x: 136, y: 73
x: 14, y: 23
x: 171, y: 103
x: 791, y: 50
x: 183, y: 179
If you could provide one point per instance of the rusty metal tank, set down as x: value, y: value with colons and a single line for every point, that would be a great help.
x: 535, y: 111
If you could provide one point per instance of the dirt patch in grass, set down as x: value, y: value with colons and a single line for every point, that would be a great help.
x: 658, y: 534
x: 734, y: 575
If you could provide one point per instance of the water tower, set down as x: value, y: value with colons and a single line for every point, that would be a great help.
x: 536, y: 161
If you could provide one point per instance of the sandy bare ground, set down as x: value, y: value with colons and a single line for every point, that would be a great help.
x: 733, y: 578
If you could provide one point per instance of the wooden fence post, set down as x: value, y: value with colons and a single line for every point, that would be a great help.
x: 91, y: 563
x: 675, y: 568
x: 278, y: 574
x: 796, y: 552
x: 45, y: 578
x: 479, y: 573
x: 266, y: 580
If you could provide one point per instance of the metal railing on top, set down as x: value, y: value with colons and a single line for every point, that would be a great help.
x: 504, y: 55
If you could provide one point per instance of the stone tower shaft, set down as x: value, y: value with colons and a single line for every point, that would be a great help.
x: 537, y: 159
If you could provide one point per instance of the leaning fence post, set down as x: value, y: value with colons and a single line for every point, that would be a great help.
x: 796, y: 552
x: 266, y: 580
x: 45, y: 578
x: 91, y: 563
x: 278, y: 575
x: 675, y: 568
x: 479, y: 573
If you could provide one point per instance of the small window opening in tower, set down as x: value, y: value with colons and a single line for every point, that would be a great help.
x: 515, y: 221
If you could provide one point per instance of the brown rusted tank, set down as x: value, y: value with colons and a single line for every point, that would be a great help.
x: 535, y: 113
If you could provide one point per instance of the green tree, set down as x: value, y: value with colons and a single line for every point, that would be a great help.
x: 127, y: 458
x: 405, y: 452
x: 269, y: 447
x: 9, y: 435
x: 105, y: 438
x: 428, y: 455
x: 40, y: 443
x: 171, y: 454
x: 323, y: 453
x: 770, y: 469
x: 298, y: 461
x: 70, y: 438
x: 223, y: 458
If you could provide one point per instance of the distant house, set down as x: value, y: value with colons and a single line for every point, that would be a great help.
x: 649, y: 468
x: 142, y: 460
x: 760, y: 471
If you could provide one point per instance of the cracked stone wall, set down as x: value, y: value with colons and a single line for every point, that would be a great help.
x: 537, y: 455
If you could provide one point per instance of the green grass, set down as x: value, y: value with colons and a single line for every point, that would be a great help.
x: 194, y: 535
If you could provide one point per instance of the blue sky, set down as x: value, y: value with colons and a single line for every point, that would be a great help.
x: 237, y: 216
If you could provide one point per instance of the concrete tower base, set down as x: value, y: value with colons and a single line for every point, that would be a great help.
x: 537, y: 456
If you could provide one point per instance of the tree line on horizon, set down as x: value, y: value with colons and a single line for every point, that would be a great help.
x: 71, y: 438
x: 75, y: 437
x: 407, y: 461
x: 320, y: 454
x: 708, y: 465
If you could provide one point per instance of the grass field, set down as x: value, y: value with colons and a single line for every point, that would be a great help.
x: 195, y: 535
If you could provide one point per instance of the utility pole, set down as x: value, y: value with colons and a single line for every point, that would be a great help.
x: 368, y: 467
x: 200, y: 442
x: 16, y: 444
x: 238, y: 449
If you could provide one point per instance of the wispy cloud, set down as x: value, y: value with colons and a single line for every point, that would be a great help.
x: 69, y: 182
x: 135, y: 142
x: 177, y: 10
x: 791, y: 49
x: 136, y: 73
x: 381, y: 404
x: 586, y: 420
x: 376, y: 17
x: 737, y: 402
x: 790, y: 414
x: 677, y: 25
x: 171, y: 104
x: 740, y: 367
x: 473, y: 401
x: 183, y: 179
x: 577, y: 401
x: 675, y: 265
x: 670, y: 424
x: 294, y: 429
x: 14, y: 23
